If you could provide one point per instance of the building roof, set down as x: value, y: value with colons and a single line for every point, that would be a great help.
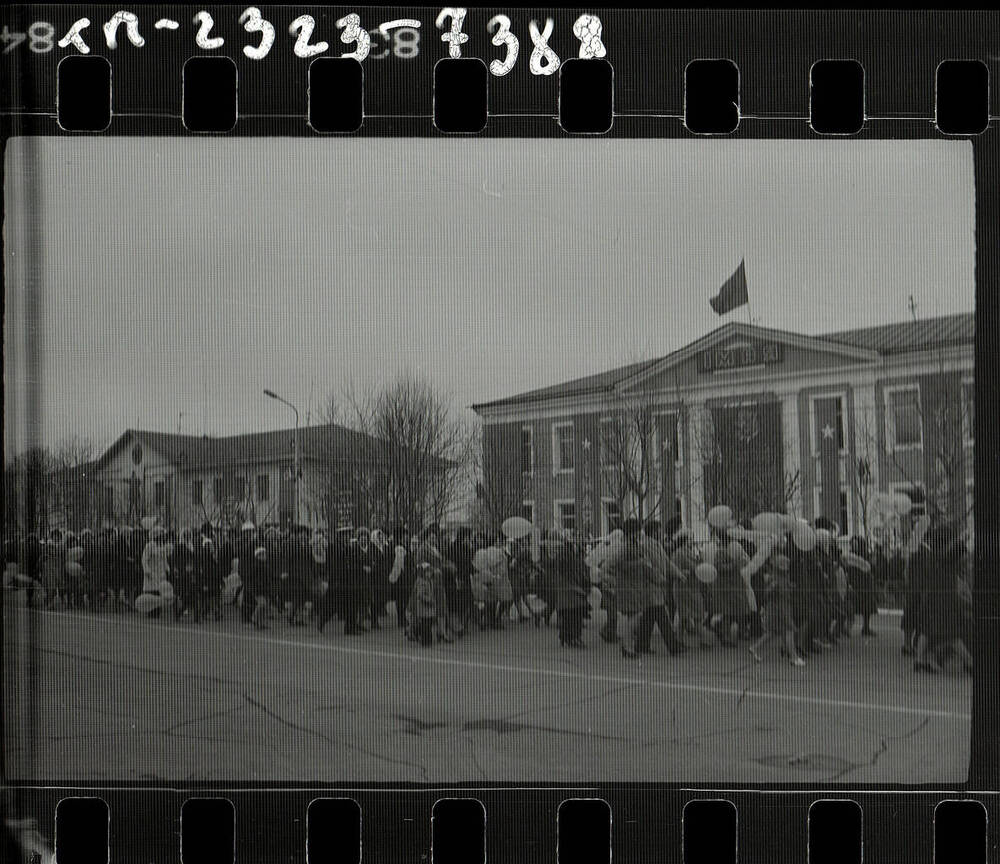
x: 885, y: 339
x: 194, y: 451
x: 906, y: 336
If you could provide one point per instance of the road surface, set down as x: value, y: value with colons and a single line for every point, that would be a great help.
x: 119, y: 697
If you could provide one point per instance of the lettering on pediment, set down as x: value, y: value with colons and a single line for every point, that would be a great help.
x: 739, y: 355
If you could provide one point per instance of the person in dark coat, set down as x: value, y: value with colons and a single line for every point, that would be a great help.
x: 333, y: 602
x: 211, y: 571
x: 30, y: 563
x: 421, y: 606
x: 861, y: 577
x: 728, y: 598
x: 570, y: 585
x: 182, y: 565
x: 774, y: 601
x: 938, y: 567
x: 659, y: 586
x: 257, y: 587
x: 359, y: 569
x: 440, y: 568
x: 460, y: 556
x: 631, y: 573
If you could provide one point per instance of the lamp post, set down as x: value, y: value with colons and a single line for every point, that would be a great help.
x: 295, y: 478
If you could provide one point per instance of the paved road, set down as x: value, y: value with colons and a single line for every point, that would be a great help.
x: 121, y: 697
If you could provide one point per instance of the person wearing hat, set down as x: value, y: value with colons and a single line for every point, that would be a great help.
x: 940, y: 622
x: 632, y: 572
x: 659, y: 611
x: 776, y: 610
x: 570, y: 587
x: 421, y: 608
x: 861, y: 578
x: 689, y: 595
x: 257, y: 587
x: 333, y: 600
x: 728, y: 594
x: 359, y: 568
x: 401, y: 573
x: 460, y: 556
x: 182, y: 566
x: 155, y: 565
x: 211, y: 570
x: 428, y: 553
x: 53, y: 563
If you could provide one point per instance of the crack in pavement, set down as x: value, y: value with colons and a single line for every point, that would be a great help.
x: 114, y: 664
x: 169, y: 731
x: 335, y: 743
x: 882, y: 748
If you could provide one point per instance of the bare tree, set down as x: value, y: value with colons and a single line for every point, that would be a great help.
x: 860, y: 465
x: 944, y: 415
x: 29, y: 489
x: 76, y: 495
x: 630, y: 459
x: 403, y: 460
x: 417, y: 438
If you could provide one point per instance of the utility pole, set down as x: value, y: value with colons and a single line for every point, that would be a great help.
x: 295, y: 480
x: 913, y: 308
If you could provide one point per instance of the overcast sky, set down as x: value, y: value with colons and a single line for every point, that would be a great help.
x: 184, y: 275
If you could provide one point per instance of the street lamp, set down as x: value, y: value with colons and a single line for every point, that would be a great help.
x: 295, y: 479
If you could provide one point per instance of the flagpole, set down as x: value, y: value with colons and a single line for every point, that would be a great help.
x: 749, y: 315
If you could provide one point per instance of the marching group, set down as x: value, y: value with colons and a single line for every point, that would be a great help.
x: 793, y: 584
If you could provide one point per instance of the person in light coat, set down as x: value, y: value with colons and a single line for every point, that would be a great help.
x: 156, y: 567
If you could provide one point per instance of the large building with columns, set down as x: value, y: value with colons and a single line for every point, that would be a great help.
x: 756, y: 418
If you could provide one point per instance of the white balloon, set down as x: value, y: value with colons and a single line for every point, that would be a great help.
x: 720, y: 516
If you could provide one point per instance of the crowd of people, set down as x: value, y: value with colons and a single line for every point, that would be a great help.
x: 795, y: 586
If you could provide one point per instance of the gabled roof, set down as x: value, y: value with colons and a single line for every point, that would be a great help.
x: 193, y: 451
x: 906, y: 336
x: 878, y: 341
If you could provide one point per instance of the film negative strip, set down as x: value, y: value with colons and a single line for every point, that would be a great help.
x: 380, y: 380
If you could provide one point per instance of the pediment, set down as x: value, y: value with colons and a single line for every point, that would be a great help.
x: 738, y: 349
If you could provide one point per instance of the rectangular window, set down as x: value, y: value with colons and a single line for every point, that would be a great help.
x: 528, y: 511
x: 903, y: 417
x: 217, y: 493
x: 608, y: 445
x: 527, y: 451
x: 843, y: 516
x: 263, y: 487
x: 159, y: 493
x: 671, y: 448
x: 196, y: 492
x: 563, y: 437
x: 566, y: 515
x: 968, y: 412
x: 109, y: 500
x: 612, y: 515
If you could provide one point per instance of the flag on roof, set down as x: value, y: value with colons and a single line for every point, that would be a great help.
x: 733, y: 293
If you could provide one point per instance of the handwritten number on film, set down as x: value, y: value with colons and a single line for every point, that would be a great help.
x: 400, y: 37
x: 503, y: 36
